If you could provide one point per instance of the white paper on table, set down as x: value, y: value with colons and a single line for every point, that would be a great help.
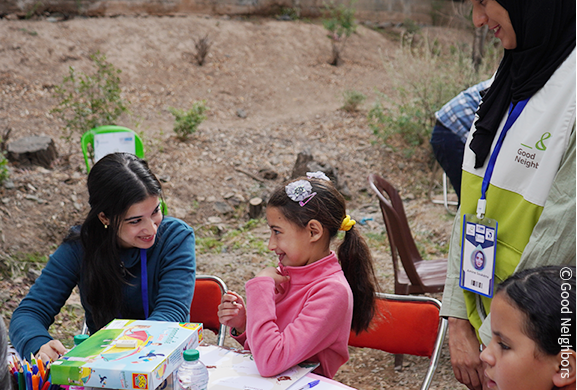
x: 236, y: 370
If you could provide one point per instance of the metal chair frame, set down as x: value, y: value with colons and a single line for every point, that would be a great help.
x: 221, y: 330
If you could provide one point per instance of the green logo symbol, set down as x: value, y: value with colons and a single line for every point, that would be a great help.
x: 540, y: 145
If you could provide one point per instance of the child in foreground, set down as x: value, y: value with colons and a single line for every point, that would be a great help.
x: 302, y: 311
x: 532, y: 321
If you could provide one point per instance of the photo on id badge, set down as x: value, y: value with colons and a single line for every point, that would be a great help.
x: 478, y: 255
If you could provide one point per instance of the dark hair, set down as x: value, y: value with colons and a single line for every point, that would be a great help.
x: 541, y: 294
x: 5, y: 377
x: 115, y: 182
x: 329, y: 208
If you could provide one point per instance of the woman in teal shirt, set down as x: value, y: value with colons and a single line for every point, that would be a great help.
x: 126, y: 258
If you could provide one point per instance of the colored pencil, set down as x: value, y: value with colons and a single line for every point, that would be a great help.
x: 21, y: 381
x: 41, y: 369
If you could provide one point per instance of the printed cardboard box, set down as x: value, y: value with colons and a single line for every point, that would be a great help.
x: 127, y: 354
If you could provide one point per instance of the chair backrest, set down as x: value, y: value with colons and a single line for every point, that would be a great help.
x: 109, y: 139
x: 398, y: 230
x: 406, y: 324
x: 208, y: 291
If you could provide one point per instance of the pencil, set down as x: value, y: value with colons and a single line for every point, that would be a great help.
x: 28, y: 380
x: 41, y: 369
x: 35, y: 381
x: 21, y: 381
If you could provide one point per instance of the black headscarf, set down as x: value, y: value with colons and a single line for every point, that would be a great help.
x: 545, y: 32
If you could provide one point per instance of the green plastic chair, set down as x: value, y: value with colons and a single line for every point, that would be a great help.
x: 109, y: 139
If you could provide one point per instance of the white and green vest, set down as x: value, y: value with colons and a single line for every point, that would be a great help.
x: 523, y: 174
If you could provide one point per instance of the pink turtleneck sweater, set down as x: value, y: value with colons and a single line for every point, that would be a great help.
x: 310, y: 322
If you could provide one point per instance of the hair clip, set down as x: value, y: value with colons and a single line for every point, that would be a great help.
x: 318, y: 175
x: 300, y: 191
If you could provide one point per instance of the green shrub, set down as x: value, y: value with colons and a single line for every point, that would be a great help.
x: 352, y: 100
x: 186, y: 122
x: 424, y: 79
x: 88, y: 101
x: 4, y: 174
x: 340, y: 23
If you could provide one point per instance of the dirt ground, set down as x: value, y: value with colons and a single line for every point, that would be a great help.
x: 271, y: 95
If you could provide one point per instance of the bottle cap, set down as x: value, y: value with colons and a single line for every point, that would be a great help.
x: 79, y: 338
x: 191, y: 355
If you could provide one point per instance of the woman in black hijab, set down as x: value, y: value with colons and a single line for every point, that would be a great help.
x: 530, y: 191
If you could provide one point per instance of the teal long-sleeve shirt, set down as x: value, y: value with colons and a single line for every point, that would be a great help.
x: 171, y: 268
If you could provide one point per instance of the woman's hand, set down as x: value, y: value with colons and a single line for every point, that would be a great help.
x: 52, y: 350
x: 232, y: 312
x: 465, y: 355
x: 276, y: 276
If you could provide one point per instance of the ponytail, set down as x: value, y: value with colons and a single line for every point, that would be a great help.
x: 357, y: 264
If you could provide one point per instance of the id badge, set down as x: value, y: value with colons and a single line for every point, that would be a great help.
x: 478, y: 248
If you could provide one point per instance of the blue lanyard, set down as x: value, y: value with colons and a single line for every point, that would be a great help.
x: 514, y: 112
x: 144, y: 282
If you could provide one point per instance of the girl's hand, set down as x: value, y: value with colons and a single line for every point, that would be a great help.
x: 276, y: 276
x: 232, y: 312
x: 52, y: 350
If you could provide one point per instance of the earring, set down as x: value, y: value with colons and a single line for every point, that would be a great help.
x: 105, y: 226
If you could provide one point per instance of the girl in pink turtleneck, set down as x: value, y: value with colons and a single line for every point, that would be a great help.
x: 303, y: 311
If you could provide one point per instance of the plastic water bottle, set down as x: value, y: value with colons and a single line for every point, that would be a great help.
x: 192, y: 373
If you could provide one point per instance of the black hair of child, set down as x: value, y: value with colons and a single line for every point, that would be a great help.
x: 542, y: 294
x: 328, y: 207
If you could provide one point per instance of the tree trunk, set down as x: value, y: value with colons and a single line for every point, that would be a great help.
x: 255, y: 206
x: 35, y: 150
x: 479, y: 46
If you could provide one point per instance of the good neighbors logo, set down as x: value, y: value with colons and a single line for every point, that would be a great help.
x: 526, y: 155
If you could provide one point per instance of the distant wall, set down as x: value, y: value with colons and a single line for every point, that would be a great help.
x: 368, y: 10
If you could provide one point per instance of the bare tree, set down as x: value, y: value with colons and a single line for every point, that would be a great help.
x: 479, y: 46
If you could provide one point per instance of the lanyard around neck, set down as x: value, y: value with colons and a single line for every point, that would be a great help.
x: 514, y: 112
x: 144, y: 282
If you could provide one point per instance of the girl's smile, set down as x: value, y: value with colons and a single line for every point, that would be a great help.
x: 139, y: 227
x: 295, y: 246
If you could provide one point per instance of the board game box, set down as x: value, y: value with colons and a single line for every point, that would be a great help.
x: 127, y: 354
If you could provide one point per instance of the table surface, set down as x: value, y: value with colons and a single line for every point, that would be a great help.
x: 238, y: 370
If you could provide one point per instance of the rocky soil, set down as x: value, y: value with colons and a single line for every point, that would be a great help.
x: 271, y: 95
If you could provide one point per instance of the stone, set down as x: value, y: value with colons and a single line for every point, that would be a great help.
x: 9, y: 184
x: 222, y: 208
x: 268, y: 174
x: 214, y: 220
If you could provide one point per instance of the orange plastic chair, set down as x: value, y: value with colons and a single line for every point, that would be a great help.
x: 406, y: 324
x: 208, y: 291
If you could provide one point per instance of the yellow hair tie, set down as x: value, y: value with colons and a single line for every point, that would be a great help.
x: 347, y: 224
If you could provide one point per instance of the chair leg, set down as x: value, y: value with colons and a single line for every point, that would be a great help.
x: 399, y: 362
